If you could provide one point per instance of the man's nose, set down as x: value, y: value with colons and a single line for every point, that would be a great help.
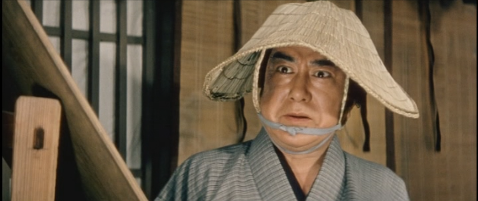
x: 300, y: 90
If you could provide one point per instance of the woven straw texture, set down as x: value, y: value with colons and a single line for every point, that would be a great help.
x: 334, y: 32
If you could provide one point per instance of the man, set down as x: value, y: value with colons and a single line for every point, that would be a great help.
x: 299, y: 66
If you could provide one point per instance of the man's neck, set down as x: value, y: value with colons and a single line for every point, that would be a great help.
x: 306, y: 167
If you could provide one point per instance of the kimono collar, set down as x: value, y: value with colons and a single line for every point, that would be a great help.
x: 271, y: 180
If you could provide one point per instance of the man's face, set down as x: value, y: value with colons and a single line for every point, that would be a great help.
x: 301, y: 88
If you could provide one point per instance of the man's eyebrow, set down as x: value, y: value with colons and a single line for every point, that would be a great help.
x: 323, y: 62
x: 281, y: 55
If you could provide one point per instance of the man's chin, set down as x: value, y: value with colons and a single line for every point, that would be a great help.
x: 298, y: 140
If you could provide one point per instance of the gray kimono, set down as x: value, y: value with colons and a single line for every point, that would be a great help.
x: 252, y: 171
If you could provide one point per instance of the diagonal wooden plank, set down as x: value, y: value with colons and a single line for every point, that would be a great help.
x: 34, y: 60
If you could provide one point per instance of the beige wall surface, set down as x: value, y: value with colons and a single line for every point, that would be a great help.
x: 207, y: 39
x: 451, y: 173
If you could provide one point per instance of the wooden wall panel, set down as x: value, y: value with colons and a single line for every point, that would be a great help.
x: 207, y: 40
x: 451, y: 173
x: 345, y: 4
x: 409, y: 70
x: 453, y: 36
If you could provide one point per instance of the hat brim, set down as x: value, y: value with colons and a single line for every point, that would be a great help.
x: 333, y: 32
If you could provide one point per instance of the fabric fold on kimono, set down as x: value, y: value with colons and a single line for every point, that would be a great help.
x: 272, y: 181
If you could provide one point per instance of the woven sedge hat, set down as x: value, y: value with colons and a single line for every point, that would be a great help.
x: 323, y: 27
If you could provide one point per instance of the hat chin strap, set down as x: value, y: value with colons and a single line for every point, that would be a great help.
x: 293, y: 130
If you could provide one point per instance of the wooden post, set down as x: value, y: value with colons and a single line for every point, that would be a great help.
x: 35, y: 148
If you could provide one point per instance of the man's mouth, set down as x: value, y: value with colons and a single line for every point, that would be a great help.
x: 300, y: 117
x: 297, y: 116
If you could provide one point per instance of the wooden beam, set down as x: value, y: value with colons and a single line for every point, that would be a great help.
x: 389, y: 125
x: 66, y: 24
x: 35, y: 156
x: 121, y: 79
x: 94, y: 56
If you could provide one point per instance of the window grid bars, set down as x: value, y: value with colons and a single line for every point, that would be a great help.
x: 93, y: 58
x: 94, y: 37
x: 66, y: 39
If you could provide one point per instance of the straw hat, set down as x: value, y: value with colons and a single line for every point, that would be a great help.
x: 323, y: 27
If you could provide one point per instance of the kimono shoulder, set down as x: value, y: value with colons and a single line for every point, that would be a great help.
x: 371, y: 181
x: 204, y: 175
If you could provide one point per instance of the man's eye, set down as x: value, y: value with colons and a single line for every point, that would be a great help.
x: 322, y: 74
x: 283, y: 69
